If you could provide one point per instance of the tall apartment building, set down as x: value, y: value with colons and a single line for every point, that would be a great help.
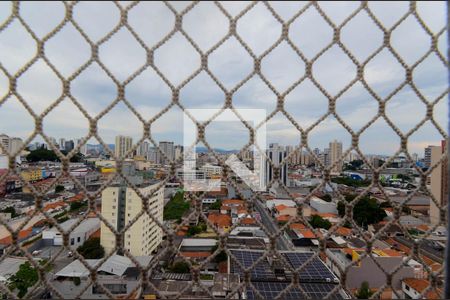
x: 10, y: 144
x: 120, y: 205
x: 122, y: 146
x: 169, y: 150
x: 62, y: 143
x: 4, y: 141
x: 300, y: 157
x: 336, y: 156
x: 153, y: 155
x: 438, y: 180
x: 142, y: 149
x: 276, y: 153
x: 178, y: 152
x: 427, y: 156
x: 325, y: 157
x: 83, y: 149
x: 15, y: 144
x: 69, y: 145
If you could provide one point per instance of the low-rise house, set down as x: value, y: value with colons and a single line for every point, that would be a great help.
x: 413, y: 288
x: 77, y: 236
x: 270, y: 204
x: 410, y: 221
x: 221, y: 221
x: 283, y: 210
x: 366, y: 269
x: 197, y: 248
x: 118, y: 274
x: 322, y: 206
x: 249, y: 232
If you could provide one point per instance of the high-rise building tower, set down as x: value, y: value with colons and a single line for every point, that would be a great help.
x: 15, y: 144
x: 427, y: 157
x: 153, y: 155
x: 438, y: 180
x: 62, y: 143
x: 276, y: 154
x: 83, y: 149
x: 336, y: 156
x: 4, y: 141
x: 122, y: 146
x: 120, y: 205
x: 69, y: 145
x: 142, y: 149
x: 168, y: 149
x: 178, y: 152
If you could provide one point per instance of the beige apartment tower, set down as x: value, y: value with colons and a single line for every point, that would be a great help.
x: 438, y: 181
x: 336, y: 156
x: 120, y: 205
x: 122, y: 146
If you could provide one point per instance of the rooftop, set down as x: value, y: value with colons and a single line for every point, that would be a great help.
x: 115, y: 265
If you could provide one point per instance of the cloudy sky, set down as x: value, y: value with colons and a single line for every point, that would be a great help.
x: 230, y: 63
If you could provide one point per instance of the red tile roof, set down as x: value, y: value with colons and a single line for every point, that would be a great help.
x: 228, y: 202
x: 344, y: 231
x: 248, y: 221
x: 195, y: 254
x: 220, y: 220
x: 297, y: 226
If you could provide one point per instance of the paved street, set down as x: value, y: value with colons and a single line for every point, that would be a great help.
x: 268, y: 221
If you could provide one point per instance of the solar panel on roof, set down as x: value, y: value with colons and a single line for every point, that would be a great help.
x: 260, y: 271
x: 270, y: 290
x: 315, y: 270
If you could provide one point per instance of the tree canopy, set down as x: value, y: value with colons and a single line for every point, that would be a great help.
x: 91, y: 249
x: 221, y: 256
x: 26, y: 277
x: 180, y: 267
x: 43, y: 154
x: 176, y: 207
x: 216, y: 205
x: 11, y: 210
x: 364, y: 291
x: 326, y: 197
x: 319, y: 222
x: 366, y: 211
x: 59, y: 188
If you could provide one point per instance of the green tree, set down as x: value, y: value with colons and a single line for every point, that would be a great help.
x: 364, y: 291
x: 319, y: 222
x: 59, y: 189
x: 43, y: 154
x: 193, y: 230
x: 221, y: 256
x: 77, y: 205
x: 357, y: 163
x: 403, y: 177
x: 76, y: 280
x: 216, y: 205
x: 326, y: 197
x: 180, y: 267
x: 366, y: 211
x: 350, y: 181
x: 176, y: 207
x: 10, y: 210
x: 26, y: 277
x: 91, y: 249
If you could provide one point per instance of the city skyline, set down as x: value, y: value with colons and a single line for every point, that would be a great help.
x: 149, y: 94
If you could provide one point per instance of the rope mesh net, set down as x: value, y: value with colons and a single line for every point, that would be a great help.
x: 285, y: 38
